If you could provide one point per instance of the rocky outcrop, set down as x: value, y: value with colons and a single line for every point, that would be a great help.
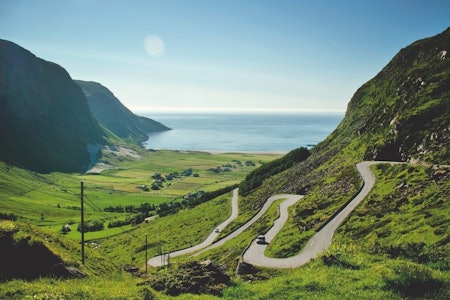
x: 403, y: 113
x: 25, y: 258
x: 192, y: 278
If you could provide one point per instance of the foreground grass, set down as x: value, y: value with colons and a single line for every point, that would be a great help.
x: 346, y: 272
x: 117, y: 285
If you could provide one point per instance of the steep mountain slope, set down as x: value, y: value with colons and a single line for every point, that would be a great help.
x: 402, y: 114
x: 45, y: 121
x: 109, y: 111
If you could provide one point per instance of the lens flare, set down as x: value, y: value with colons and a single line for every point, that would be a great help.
x: 154, y: 45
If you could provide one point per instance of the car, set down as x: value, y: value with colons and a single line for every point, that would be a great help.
x: 261, y: 239
x: 216, y: 230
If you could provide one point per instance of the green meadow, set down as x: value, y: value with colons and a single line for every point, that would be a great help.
x: 53, y: 200
x: 394, y: 246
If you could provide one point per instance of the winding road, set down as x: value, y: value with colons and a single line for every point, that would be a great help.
x: 255, y: 252
x: 320, y: 241
x: 162, y: 260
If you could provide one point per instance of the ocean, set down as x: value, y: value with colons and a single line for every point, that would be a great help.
x: 273, y: 133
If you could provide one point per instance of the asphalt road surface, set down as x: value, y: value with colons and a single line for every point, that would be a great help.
x: 320, y: 241
x: 162, y: 260
x: 255, y: 252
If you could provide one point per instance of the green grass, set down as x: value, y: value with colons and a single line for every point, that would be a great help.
x: 395, y: 241
x: 52, y: 200
x: 349, y: 274
x: 406, y: 215
x: 117, y: 285
x: 376, y: 253
x: 49, y: 201
x: 184, y: 229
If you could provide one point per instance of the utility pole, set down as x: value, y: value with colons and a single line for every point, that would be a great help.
x: 82, y: 224
x: 146, y: 255
x: 160, y: 250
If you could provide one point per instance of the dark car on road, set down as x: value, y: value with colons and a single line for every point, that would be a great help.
x: 261, y: 239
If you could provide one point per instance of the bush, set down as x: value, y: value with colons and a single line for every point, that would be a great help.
x: 91, y: 226
x: 412, y: 280
x: 255, y: 178
x: 193, y: 278
x: 8, y: 216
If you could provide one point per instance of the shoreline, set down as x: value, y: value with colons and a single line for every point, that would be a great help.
x: 99, y: 167
x: 223, y: 151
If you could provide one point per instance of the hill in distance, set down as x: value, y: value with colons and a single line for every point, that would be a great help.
x: 111, y: 113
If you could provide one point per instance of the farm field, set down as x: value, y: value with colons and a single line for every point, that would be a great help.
x: 163, y: 177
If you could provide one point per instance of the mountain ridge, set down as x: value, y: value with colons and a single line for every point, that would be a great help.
x: 406, y: 107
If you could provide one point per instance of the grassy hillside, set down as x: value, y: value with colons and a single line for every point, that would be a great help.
x: 52, y: 200
x: 395, y: 245
x: 401, y: 227
x: 31, y: 253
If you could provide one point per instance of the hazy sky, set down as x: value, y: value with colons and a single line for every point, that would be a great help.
x: 304, y: 55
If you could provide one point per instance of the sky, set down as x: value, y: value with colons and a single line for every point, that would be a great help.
x: 227, y: 55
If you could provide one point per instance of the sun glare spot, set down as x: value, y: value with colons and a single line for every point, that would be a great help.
x: 154, y: 45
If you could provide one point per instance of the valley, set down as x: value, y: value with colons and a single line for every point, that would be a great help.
x: 118, y: 193
x: 363, y: 214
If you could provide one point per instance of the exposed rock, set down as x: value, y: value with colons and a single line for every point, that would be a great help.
x: 61, y: 271
x: 193, y: 278
x: 131, y: 269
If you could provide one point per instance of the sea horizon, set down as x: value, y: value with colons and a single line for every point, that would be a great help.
x: 241, y: 132
x: 234, y: 111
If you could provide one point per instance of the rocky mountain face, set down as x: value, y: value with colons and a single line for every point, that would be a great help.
x: 45, y: 120
x: 403, y: 113
x: 110, y: 112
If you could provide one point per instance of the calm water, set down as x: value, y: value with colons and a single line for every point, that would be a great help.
x: 241, y: 132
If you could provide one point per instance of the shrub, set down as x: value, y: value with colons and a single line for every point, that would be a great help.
x: 91, y: 226
x: 255, y: 178
x: 8, y: 216
x: 412, y: 280
x: 193, y: 278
